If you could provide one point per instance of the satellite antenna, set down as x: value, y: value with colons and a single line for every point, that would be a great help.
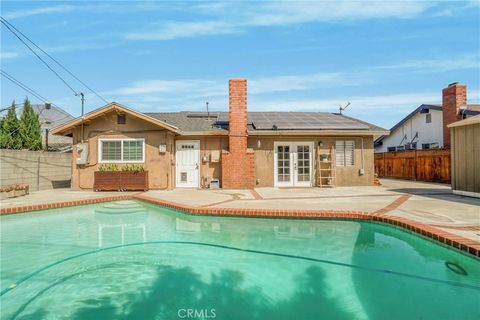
x: 340, y: 108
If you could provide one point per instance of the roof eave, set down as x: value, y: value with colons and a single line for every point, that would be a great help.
x: 465, y: 122
x: 68, y: 127
x: 317, y: 132
x: 203, y: 133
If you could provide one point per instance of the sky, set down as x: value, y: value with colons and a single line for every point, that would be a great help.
x: 386, y: 58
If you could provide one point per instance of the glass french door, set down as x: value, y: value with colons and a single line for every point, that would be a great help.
x: 293, y: 164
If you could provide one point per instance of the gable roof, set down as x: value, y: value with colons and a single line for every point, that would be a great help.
x: 52, y: 117
x: 67, y: 127
x: 469, y: 110
x: 217, y: 123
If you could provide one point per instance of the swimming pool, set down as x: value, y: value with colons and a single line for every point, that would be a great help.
x: 132, y: 260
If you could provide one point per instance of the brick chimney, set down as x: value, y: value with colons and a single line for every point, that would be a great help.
x: 453, y: 98
x: 238, y: 162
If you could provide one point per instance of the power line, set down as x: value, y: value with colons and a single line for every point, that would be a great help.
x: 40, y: 58
x: 54, y: 60
x: 25, y: 87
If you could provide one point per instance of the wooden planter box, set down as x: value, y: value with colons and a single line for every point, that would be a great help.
x: 120, y: 180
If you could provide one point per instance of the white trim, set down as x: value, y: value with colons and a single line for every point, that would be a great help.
x: 293, y: 160
x: 466, y: 193
x: 308, y: 183
x: 100, y: 140
x: 199, y: 163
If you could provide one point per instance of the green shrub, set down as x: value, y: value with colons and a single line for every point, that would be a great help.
x: 9, y: 135
x: 108, y: 167
x: 30, y: 128
x: 133, y: 168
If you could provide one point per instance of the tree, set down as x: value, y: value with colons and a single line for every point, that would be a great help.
x: 9, y: 130
x: 30, y: 128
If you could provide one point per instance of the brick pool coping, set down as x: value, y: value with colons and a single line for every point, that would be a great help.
x: 460, y: 243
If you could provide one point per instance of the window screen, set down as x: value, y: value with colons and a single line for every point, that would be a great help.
x: 121, y: 150
x: 111, y: 150
x: 132, y: 150
x: 344, y: 152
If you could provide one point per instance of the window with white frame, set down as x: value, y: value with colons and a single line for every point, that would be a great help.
x: 121, y: 150
x: 344, y: 153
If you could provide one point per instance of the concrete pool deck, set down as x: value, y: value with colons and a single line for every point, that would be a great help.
x: 429, y: 205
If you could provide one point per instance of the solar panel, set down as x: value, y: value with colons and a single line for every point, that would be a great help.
x: 303, y: 121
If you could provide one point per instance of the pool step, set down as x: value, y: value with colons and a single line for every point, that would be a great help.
x: 120, y: 207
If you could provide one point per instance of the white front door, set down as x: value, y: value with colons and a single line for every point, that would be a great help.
x: 187, y: 164
x: 293, y: 164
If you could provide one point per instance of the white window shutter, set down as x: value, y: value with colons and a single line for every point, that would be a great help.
x: 349, y: 153
x: 345, y: 153
x: 340, y: 153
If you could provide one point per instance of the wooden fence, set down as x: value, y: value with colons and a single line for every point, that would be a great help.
x: 422, y: 165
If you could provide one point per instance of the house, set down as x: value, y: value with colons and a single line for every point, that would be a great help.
x: 237, y: 149
x: 51, y: 116
x: 426, y: 127
x: 465, y: 153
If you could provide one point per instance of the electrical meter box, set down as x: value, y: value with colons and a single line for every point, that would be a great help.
x: 162, y: 148
x: 82, y: 151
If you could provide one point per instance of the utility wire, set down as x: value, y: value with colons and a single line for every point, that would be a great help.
x: 34, y: 93
x: 54, y: 60
x: 40, y: 58
x: 23, y: 86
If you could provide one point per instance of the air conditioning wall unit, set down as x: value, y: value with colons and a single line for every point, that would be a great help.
x: 214, y: 183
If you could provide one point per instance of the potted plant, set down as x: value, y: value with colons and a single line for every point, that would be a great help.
x: 324, y: 157
x: 129, y: 177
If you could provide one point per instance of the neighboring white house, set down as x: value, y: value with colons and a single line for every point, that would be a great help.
x: 426, y: 127
x: 421, y: 129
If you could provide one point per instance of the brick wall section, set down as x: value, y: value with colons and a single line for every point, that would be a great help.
x: 238, y: 163
x: 453, y: 97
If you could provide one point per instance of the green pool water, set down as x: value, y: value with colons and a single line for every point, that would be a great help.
x: 131, y: 260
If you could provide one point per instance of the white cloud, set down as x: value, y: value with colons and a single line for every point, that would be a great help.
x: 200, y: 88
x: 189, y: 87
x: 393, y: 102
x: 38, y: 11
x: 458, y: 62
x: 294, y: 12
x: 304, y: 82
x: 173, y: 30
x: 383, y: 110
x: 6, y: 55
x: 235, y: 17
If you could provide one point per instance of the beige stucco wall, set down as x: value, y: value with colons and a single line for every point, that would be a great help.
x: 346, y: 176
x: 39, y: 169
x: 160, y: 166
x: 208, y: 169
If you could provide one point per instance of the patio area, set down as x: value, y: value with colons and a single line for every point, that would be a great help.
x: 426, y: 203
